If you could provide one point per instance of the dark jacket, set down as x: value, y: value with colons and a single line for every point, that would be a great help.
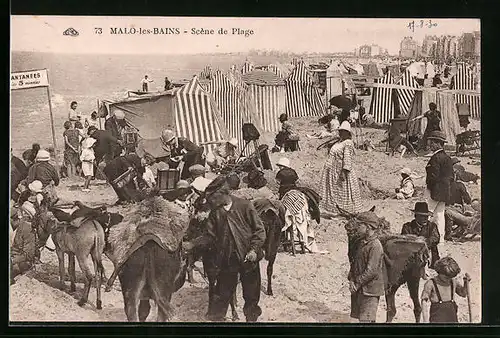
x: 439, y: 176
x: 248, y: 233
x: 192, y: 154
x: 19, y: 165
x: 368, y: 267
x: 111, y: 126
x: 106, y: 144
x: 43, y: 172
x: 24, y: 247
x: 120, y: 165
x: 429, y: 231
x: 459, y: 194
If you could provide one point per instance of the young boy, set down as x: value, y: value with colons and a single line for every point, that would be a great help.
x: 438, y: 304
x: 71, y: 148
x: 87, y: 157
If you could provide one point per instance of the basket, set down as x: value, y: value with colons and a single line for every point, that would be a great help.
x: 167, y: 179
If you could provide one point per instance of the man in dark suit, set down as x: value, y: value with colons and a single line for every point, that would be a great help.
x: 439, y: 178
x: 115, y: 124
x: 421, y: 226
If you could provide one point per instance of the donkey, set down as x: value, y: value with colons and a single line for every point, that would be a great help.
x: 80, y: 241
x: 405, y: 256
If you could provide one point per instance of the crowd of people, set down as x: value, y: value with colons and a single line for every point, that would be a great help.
x: 233, y: 226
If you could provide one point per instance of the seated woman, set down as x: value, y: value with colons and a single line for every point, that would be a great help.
x: 284, y: 135
x: 330, y: 122
x: 224, y: 153
x: 460, y: 221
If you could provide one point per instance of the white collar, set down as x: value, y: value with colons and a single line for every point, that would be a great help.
x: 228, y: 206
x: 437, y: 151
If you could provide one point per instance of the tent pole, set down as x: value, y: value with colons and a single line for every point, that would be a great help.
x: 52, y: 123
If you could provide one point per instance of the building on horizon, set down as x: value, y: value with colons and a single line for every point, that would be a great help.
x: 409, y: 48
x: 367, y: 51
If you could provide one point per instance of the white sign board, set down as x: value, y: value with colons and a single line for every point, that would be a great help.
x: 29, y: 79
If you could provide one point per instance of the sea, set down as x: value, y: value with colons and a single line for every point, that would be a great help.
x: 87, y: 78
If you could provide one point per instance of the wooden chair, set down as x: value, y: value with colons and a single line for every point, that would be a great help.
x: 292, y: 145
x: 290, y: 241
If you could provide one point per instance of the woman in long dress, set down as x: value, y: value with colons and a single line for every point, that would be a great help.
x: 339, y: 182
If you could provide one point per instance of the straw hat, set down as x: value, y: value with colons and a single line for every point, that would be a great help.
x: 201, y: 183
x: 182, y: 184
x: 28, y: 208
x: 35, y: 186
x: 197, y: 169
x: 369, y: 218
x: 283, y: 162
x: 42, y: 156
x: 120, y: 115
x: 167, y: 135
x: 233, y: 141
x: 406, y: 171
x: 345, y: 126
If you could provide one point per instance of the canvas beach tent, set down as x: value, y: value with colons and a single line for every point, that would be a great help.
x: 417, y: 69
x: 372, y: 69
x: 235, y: 104
x: 302, y: 96
x: 405, y: 96
x: 445, y: 102
x: 464, y: 80
x: 189, y: 110
x: 247, y: 67
x: 383, y: 105
x: 267, y: 90
x: 282, y: 70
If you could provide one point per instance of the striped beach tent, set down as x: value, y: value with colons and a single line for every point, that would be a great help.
x: 269, y: 97
x: 382, y: 105
x: 235, y: 104
x: 464, y: 80
x: 247, y: 67
x: 419, y: 105
x: 196, y: 115
x: 405, y: 96
x: 302, y: 97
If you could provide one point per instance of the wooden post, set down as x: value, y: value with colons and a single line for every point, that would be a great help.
x: 52, y: 123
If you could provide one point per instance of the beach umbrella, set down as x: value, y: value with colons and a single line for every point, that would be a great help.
x: 342, y: 102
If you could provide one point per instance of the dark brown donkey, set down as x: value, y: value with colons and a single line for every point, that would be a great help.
x: 405, y: 256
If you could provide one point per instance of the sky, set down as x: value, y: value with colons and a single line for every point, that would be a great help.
x: 323, y: 35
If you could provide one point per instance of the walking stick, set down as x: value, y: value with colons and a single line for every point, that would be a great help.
x: 467, y: 288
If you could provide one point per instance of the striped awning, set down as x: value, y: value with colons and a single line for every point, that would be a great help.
x: 269, y: 97
x: 382, y: 105
x: 464, y: 80
x: 196, y: 114
x: 405, y: 96
x: 247, y: 67
x: 302, y: 97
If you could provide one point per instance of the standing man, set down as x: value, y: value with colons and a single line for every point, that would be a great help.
x: 145, y: 82
x: 439, y: 178
x: 433, y: 117
x: 73, y: 115
x: 115, y: 124
x: 366, y: 276
x: 107, y: 147
x: 236, y: 232
x: 421, y: 226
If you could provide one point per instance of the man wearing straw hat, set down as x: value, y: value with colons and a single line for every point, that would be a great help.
x: 421, y: 226
x: 115, y: 124
x: 44, y: 172
x: 236, y: 232
x: 439, y: 171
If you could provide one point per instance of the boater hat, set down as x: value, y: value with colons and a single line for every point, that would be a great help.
x: 283, y: 162
x: 345, y: 126
x: 42, y: 156
x: 233, y: 141
x: 421, y: 208
x: 119, y: 114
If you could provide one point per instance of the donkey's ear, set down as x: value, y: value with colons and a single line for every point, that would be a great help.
x: 372, y: 209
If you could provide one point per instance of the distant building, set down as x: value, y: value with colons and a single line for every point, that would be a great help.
x: 365, y: 51
x: 477, y: 45
x: 408, y: 48
x: 468, y: 45
x: 429, y: 46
